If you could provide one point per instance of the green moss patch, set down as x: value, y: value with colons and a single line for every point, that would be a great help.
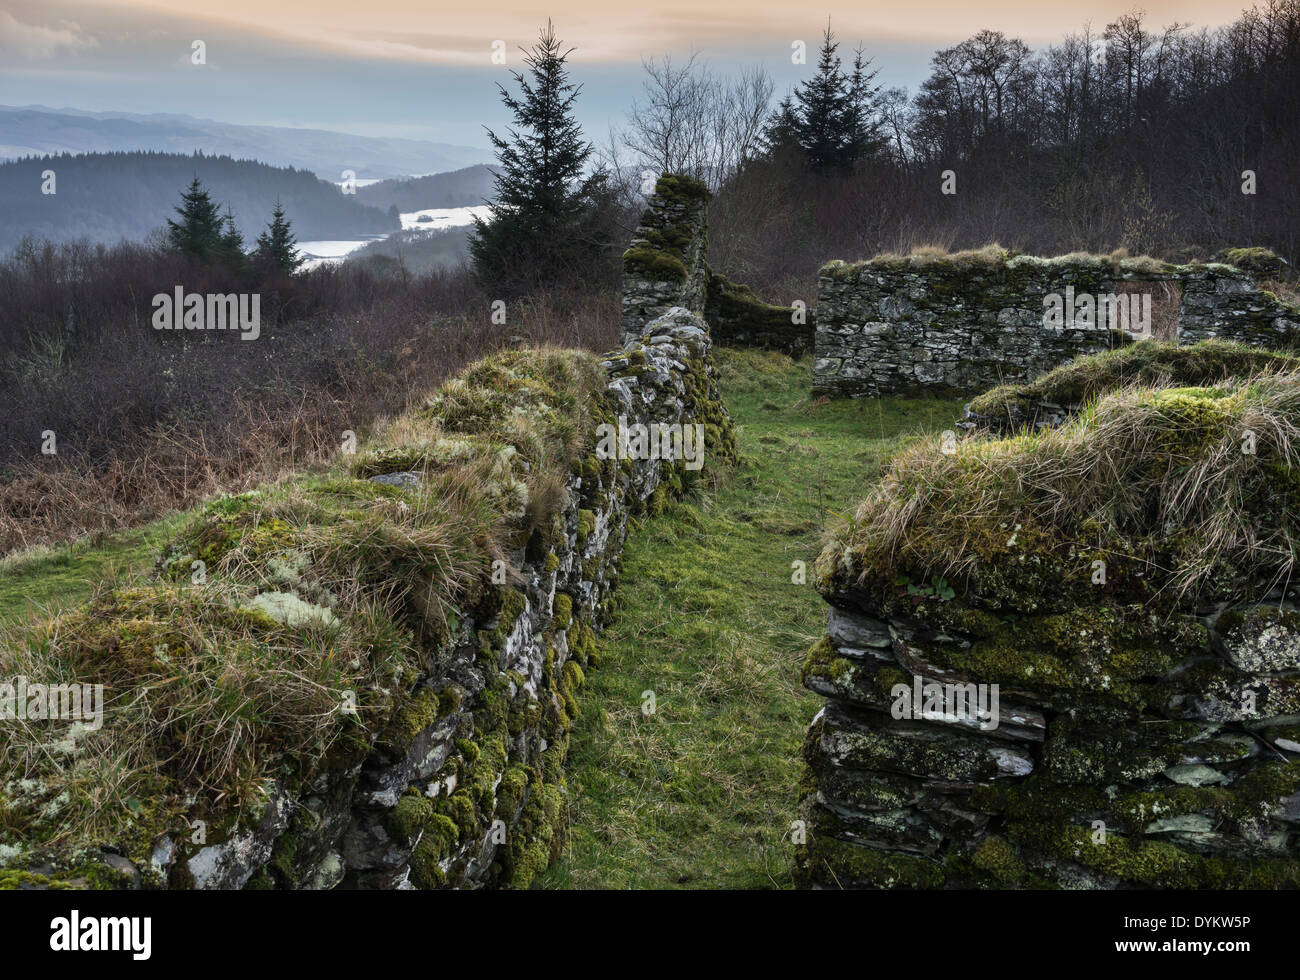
x: 1148, y: 362
x: 667, y: 233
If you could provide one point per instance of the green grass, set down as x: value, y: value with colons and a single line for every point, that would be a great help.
x: 45, y: 580
x: 702, y: 793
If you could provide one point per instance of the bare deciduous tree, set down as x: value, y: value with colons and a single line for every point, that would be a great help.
x: 692, y: 121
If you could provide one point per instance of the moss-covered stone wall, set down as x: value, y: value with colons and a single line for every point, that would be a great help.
x: 968, y: 321
x: 738, y: 318
x: 1125, y: 583
x: 451, y: 579
x: 666, y: 265
x: 1065, y: 391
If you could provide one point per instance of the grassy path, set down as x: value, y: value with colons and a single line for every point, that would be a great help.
x: 701, y: 793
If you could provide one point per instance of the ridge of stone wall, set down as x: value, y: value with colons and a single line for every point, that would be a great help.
x: 958, y: 325
x: 667, y: 265
x: 465, y: 788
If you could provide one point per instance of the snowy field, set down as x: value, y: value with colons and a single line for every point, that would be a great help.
x: 436, y: 219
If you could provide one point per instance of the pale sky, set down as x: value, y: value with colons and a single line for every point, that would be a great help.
x: 423, y: 68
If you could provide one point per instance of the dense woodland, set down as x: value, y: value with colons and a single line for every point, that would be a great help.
x: 1131, y: 136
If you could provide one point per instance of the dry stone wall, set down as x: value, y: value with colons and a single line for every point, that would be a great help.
x: 963, y: 324
x: 667, y: 265
x: 1070, y: 661
x: 541, y: 641
x: 464, y: 788
x: 1073, y: 788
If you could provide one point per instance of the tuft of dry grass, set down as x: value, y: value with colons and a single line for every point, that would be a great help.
x: 1162, y: 473
x: 931, y: 256
x: 201, y: 693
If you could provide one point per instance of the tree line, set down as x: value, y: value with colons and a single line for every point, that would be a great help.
x: 107, y: 197
x: 1172, y: 141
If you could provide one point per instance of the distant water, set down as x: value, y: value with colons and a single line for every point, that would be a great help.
x: 436, y: 219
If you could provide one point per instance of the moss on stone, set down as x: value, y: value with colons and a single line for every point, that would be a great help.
x: 1146, y: 362
x: 829, y: 861
x: 408, y: 819
x: 1155, y: 863
x: 439, y: 837
x: 998, y: 860
x: 654, y: 265
x: 586, y: 526
x: 1255, y: 259
x: 415, y: 714
x: 562, y: 618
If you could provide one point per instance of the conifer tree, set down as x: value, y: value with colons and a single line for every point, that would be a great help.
x: 823, y: 109
x: 832, y: 117
x: 546, y: 222
x: 276, y: 247
x: 199, y: 231
x: 862, y: 124
x: 231, y: 247
x: 782, y: 130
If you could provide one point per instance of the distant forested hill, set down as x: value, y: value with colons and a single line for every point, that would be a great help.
x: 457, y: 189
x: 110, y: 196
x: 37, y: 131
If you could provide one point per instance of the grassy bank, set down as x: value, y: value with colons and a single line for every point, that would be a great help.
x: 701, y: 793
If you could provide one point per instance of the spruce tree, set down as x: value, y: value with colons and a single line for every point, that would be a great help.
x: 546, y: 222
x: 230, y: 249
x: 862, y: 124
x: 782, y: 130
x: 823, y: 109
x: 198, y: 233
x: 276, y: 247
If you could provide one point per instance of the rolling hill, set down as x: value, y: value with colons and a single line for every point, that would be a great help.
x: 38, y: 130
x: 458, y: 189
x: 106, y: 197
